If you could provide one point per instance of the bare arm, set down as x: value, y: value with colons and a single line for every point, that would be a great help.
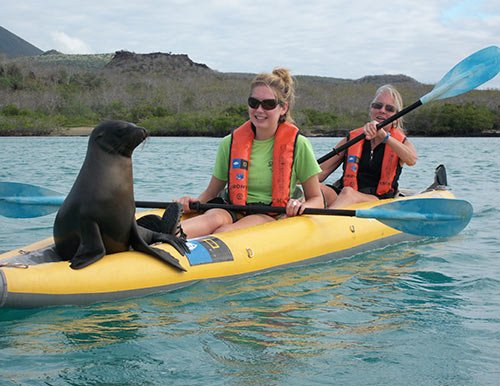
x: 312, y: 198
x: 405, y: 151
x: 331, y: 164
x: 312, y: 193
x: 214, y: 187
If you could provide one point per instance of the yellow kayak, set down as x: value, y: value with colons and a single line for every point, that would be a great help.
x: 34, y: 276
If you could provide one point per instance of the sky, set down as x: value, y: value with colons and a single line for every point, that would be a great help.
x: 345, y: 39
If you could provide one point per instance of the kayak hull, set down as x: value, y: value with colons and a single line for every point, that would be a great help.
x: 34, y: 276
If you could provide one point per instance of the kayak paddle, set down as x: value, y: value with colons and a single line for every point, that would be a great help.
x: 470, y: 73
x: 438, y: 217
x: 19, y: 200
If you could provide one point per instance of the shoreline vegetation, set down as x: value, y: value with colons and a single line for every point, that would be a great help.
x: 170, y: 95
x: 85, y: 131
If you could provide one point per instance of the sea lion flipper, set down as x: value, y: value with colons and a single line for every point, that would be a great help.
x: 139, y: 244
x: 166, y: 257
x: 178, y: 243
x: 150, y: 237
x: 91, y: 247
x: 160, y: 254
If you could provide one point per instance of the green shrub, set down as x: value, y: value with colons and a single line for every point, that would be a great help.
x: 113, y: 110
x: 11, y: 110
x: 204, y: 123
x: 318, y: 118
x: 11, y: 77
x: 452, y: 119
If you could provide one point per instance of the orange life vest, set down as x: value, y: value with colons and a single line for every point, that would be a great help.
x: 239, y: 163
x: 390, y: 162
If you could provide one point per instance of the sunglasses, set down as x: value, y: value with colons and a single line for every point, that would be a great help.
x: 267, y: 104
x: 379, y: 105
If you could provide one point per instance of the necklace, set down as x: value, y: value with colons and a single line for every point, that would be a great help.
x: 372, y: 148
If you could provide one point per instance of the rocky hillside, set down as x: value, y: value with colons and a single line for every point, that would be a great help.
x: 173, y: 95
x: 12, y: 46
x: 157, y: 62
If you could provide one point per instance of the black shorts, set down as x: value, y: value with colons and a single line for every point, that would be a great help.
x: 235, y: 216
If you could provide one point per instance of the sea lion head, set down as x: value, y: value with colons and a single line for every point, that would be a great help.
x: 118, y: 137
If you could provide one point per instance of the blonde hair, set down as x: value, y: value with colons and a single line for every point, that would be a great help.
x: 281, y: 82
x: 396, y: 97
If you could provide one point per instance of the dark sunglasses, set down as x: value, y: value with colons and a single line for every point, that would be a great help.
x: 267, y: 104
x: 379, y: 105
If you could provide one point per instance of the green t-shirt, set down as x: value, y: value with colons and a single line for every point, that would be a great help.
x: 260, y: 172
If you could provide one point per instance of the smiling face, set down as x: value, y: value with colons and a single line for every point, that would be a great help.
x: 265, y: 121
x: 380, y: 114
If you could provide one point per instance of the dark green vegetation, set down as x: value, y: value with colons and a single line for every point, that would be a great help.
x: 171, y: 95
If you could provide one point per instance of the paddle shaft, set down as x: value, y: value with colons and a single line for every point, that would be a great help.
x: 56, y: 201
x: 253, y: 209
x: 391, y: 119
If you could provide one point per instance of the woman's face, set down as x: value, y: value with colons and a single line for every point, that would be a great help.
x: 265, y: 119
x: 382, y: 107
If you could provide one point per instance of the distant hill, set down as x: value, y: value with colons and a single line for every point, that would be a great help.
x: 170, y: 94
x: 178, y: 65
x: 13, y: 46
x: 156, y: 62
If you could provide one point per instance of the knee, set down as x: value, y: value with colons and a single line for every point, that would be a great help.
x: 219, y: 217
x: 346, y: 191
x: 224, y: 226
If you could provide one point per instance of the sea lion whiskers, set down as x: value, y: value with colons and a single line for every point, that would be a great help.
x: 146, y: 140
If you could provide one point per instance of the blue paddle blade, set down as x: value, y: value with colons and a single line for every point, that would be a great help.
x: 470, y: 73
x: 435, y: 217
x: 19, y: 200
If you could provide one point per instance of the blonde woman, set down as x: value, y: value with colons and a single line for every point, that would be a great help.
x: 260, y: 162
x: 372, y: 166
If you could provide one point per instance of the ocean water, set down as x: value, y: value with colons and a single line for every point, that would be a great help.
x: 420, y: 313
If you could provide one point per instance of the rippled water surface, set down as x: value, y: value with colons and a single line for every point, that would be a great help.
x: 421, y: 313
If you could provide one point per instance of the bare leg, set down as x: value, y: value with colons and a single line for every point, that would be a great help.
x: 247, y: 221
x: 329, y: 195
x: 206, y: 223
x: 349, y: 196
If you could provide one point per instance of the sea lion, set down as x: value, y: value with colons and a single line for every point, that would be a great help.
x: 98, y: 215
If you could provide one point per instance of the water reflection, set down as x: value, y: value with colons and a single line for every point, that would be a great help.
x: 273, y: 324
x: 69, y: 329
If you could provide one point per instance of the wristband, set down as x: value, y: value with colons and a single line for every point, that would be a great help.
x: 386, y: 137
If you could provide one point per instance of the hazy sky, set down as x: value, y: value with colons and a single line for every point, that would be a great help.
x: 335, y: 38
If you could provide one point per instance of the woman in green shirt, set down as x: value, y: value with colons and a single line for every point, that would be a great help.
x: 251, y: 149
